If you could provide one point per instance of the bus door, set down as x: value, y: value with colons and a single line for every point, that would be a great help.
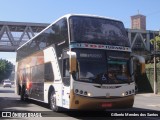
x: 65, y: 80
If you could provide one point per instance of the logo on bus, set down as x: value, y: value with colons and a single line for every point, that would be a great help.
x: 104, y: 78
x: 99, y: 46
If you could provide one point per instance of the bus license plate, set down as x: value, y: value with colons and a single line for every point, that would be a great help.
x: 106, y: 104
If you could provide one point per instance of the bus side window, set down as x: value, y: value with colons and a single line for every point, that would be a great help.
x: 66, y: 79
x: 48, y: 72
x: 66, y: 67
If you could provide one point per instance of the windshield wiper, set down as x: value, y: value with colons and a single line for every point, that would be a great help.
x: 124, y: 80
x: 92, y: 80
x: 86, y: 79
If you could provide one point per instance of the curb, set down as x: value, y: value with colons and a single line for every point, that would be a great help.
x: 148, y: 94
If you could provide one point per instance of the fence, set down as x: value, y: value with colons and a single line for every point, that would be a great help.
x: 150, y: 78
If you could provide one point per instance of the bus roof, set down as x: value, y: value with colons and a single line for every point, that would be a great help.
x: 90, y: 15
x: 67, y: 16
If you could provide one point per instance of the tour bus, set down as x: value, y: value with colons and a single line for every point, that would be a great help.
x: 81, y: 62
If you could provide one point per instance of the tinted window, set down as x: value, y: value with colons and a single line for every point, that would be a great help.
x: 7, y: 81
x: 66, y: 67
x: 55, y: 34
x: 98, y: 30
x: 38, y: 73
x: 48, y: 74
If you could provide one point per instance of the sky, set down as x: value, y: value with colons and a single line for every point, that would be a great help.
x: 47, y: 11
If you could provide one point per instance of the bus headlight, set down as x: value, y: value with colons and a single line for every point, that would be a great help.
x: 81, y: 92
x: 123, y: 94
x: 89, y: 94
x: 85, y: 93
x: 129, y: 92
x: 76, y: 90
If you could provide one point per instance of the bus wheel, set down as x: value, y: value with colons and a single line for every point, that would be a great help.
x: 23, y: 94
x: 52, y: 102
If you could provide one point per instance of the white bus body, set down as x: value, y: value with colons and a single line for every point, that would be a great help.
x: 78, y: 62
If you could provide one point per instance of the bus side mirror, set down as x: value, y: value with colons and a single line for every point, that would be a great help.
x: 142, y: 67
x: 72, y: 61
x: 141, y: 62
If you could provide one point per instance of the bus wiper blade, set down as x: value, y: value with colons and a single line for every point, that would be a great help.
x: 92, y: 78
x: 124, y: 80
x: 87, y: 79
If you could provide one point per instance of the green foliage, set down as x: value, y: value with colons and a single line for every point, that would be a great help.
x: 157, y: 40
x: 150, y: 74
x: 151, y: 65
x: 5, y: 69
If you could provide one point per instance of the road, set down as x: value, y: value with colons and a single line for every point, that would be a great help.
x: 9, y: 101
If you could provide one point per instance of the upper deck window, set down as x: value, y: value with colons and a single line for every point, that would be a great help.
x: 55, y: 34
x: 98, y: 30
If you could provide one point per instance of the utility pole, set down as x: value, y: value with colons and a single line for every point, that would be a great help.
x: 155, y: 69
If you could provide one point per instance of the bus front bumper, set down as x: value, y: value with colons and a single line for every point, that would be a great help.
x: 88, y: 103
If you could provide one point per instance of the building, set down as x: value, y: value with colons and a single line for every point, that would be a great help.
x: 138, y: 22
x: 138, y: 35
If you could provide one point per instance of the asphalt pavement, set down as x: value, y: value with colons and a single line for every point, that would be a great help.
x: 146, y: 104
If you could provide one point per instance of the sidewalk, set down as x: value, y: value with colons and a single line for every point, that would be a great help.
x: 148, y: 94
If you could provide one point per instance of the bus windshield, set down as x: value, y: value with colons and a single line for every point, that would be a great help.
x: 95, y: 67
x: 98, y: 31
x: 118, y: 71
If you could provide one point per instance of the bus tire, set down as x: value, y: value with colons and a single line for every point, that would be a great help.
x: 52, y: 102
x: 23, y: 94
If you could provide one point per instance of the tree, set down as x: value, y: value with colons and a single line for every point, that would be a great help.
x: 6, y: 68
x: 156, y: 42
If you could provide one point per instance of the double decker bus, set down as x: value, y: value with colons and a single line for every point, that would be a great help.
x: 78, y: 62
